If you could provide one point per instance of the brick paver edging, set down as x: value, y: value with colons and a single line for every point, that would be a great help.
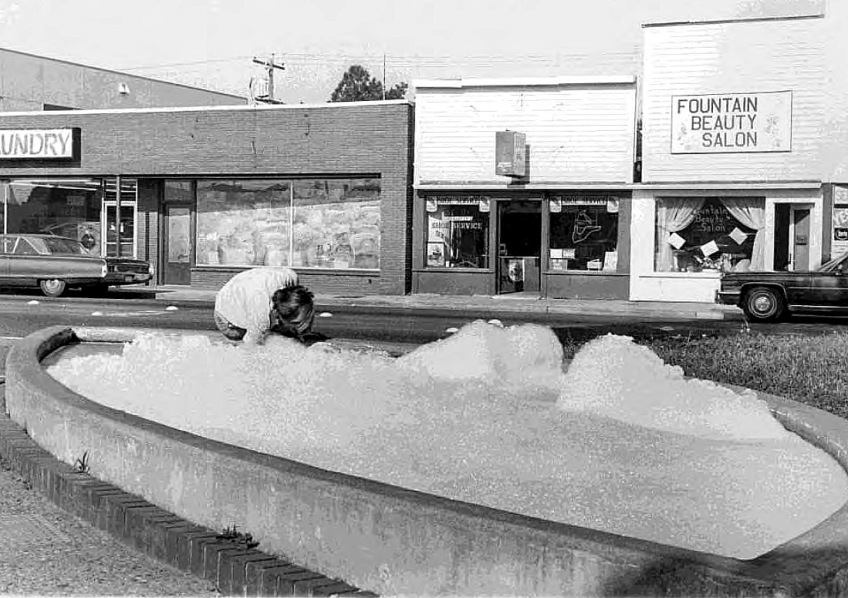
x: 234, y: 568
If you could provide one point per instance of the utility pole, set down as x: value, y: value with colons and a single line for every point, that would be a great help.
x: 384, y: 75
x: 270, y: 65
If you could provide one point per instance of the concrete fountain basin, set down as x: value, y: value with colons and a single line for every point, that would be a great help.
x: 388, y: 539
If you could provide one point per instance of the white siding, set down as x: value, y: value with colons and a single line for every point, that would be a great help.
x: 579, y: 133
x: 734, y: 57
x: 835, y: 153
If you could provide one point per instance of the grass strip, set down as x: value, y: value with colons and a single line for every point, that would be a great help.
x: 808, y: 369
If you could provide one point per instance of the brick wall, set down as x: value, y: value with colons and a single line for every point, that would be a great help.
x: 356, y: 139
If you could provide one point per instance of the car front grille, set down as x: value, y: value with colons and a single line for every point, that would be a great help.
x: 129, y: 268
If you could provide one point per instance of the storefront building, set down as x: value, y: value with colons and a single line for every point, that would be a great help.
x: 204, y: 193
x: 731, y: 165
x: 524, y: 186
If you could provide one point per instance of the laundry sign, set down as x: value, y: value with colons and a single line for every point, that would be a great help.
x: 36, y: 144
x: 727, y: 123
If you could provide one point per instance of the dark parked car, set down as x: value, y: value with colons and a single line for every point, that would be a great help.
x: 56, y: 263
x: 767, y: 296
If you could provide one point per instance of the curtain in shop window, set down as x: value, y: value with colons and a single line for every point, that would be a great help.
x: 751, y: 212
x: 673, y: 214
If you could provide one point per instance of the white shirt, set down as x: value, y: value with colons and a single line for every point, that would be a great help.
x: 245, y: 300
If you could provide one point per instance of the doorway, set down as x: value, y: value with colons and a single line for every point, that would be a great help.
x: 178, y: 245
x: 791, y: 237
x: 519, y: 246
x: 119, y: 235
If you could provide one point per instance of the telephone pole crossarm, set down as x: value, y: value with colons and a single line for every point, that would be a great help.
x: 270, y: 65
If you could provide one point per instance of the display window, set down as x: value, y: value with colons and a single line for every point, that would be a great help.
x: 336, y: 224
x: 457, y: 232
x: 76, y: 208
x: 703, y: 234
x: 304, y: 223
x: 583, y: 233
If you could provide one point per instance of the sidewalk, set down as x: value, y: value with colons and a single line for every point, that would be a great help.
x: 485, y: 305
x: 48, y: 551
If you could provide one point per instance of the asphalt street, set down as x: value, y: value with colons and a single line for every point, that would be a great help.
x: 21, y: 314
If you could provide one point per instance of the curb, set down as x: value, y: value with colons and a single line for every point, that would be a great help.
x: 232, y: 566
x: 477, y: 311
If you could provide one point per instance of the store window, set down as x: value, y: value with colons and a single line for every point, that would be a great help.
x: 63, y: 207
x: 702, y: 234
x: 336, y: 223
x: 457, y: 232
x: 305, y: 223
x: 584, y: 233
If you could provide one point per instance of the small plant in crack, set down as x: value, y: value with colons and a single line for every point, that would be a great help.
x: 232, y: 534
x: 81, y: 464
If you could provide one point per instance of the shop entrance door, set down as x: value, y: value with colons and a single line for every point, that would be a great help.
x: 800, y: 259
x: 125, y: 229
x: 791, y: 237
x: 178, y: 247
x: 519, y: 246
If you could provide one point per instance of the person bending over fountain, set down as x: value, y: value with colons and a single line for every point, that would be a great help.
x: 262, y: 301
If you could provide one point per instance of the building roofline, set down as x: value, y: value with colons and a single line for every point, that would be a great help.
x: 47, y: 113
x: 705, y: 187
x: 122, y: 73
x: 735, y: 20
x: 523, y: 82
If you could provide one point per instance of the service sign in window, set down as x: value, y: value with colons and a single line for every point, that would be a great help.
x: 728, y: 123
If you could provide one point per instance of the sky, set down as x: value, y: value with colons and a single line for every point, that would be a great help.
x: 212, y: 43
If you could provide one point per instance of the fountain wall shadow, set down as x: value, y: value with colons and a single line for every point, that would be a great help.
x: 391, y: 540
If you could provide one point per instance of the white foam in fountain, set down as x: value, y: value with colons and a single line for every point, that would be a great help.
x: 620, y: 442
x: 614, y: 377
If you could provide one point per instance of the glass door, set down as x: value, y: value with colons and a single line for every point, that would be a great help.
x: 125, y: 230
x: 177, y: 245
x: 119, y: 218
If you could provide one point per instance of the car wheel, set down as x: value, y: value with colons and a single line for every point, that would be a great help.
x: 52, y: 287
x: 763, y: 304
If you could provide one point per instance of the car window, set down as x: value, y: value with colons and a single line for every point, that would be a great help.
x: 63, y: 245
x: 7, y: 244
x: 24, y: 247
x: 833, y: 264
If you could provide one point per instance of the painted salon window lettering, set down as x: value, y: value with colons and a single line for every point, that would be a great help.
x: 713, y: 219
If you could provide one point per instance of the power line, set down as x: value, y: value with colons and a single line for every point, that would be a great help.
x: 407, y: 59
x: 194, y: 63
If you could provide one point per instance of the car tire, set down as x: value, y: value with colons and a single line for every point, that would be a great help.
x: 52, y: 287
x: 764, y: 304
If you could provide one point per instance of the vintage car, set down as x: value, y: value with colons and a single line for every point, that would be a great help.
x: 765, y: 296
x: 55, y: 263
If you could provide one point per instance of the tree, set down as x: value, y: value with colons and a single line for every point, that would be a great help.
x: 357, y: 85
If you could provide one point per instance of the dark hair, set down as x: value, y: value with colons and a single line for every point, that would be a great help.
x: 292, y: 311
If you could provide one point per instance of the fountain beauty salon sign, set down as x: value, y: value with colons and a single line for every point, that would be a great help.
x: 36, y: 144
x: 729, y: 123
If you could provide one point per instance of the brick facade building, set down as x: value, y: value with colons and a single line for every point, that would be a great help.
x: 206, y: 192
